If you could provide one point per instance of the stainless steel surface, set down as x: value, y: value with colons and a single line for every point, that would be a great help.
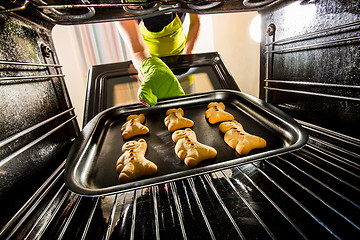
x: 65, y: 16
x: 29, y: 64
x: 257, y: 3
x: 328, y: 43
x: 80, y: 12
x: 46, y: 77
x: 15, y: 9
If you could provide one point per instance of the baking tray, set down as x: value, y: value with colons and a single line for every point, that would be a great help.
x: 90, y: 167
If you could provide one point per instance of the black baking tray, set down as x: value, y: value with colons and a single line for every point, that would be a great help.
x: 90, y: 167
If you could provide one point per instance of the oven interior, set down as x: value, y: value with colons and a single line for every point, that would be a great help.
x: 309, y: 69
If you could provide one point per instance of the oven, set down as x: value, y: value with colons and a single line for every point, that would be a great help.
x: 309, y: 71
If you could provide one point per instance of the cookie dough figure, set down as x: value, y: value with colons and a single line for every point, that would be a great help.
x: 216, y: 113
x: 175, y: 120
x: 236, y: 137
x: 187, y: 148
x: 158, y: 36
x: 132, y: 164
x: 133, y: 126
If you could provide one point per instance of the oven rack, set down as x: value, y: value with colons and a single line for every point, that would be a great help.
x: 307, y: 194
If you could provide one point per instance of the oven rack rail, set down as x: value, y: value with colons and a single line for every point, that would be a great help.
x: 83, y: 11
x: 309, y: 193
x: 19, y: 146
x: 299, y: 43
x: 52, y: 72
x: 37, y: 126
x: 308, y: 66
x: 314, y: 34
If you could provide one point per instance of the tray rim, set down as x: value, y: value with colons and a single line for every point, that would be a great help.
x: 73, y: 161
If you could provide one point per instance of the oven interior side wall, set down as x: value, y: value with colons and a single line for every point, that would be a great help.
x: 310, y: 64
x: 37, y: 123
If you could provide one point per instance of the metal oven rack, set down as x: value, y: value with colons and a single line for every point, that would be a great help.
x: 301, y: 194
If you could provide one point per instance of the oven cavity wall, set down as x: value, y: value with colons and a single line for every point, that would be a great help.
x: 310, y: 62
x: 37, y: 121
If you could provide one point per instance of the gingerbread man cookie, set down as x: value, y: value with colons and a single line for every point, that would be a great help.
x: 133, y: 126
x: 132, y: 164
x: 187, y: 148
x: 238, y: 139
x: 175, y: 120
x: 216, y: 113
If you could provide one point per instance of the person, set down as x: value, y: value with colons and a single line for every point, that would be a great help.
x: 152, y: 38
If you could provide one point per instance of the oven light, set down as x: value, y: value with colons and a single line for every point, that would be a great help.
x: 255, y: 29
x: 299, y: 14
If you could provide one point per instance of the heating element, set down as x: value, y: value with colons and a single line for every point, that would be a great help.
x: 312, y: 193
x: 92, y: 11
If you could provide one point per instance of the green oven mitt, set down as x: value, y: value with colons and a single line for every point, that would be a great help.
x: 158, y: 82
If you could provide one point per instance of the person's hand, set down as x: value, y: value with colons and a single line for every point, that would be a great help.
x: 158, y: 81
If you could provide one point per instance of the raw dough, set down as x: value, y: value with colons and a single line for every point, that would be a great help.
x: 238, y: 139
x: 132, y: 163
x: 187, y: 148
x: 175, y: 120
x: 216, y: 113
x: 133, y: 126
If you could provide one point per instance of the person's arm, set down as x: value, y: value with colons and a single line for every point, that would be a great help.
x: 192, y: 34
x: 131, y: 34
x: 157, y: 80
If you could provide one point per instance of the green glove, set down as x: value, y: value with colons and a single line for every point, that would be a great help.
x: 158, y: 81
